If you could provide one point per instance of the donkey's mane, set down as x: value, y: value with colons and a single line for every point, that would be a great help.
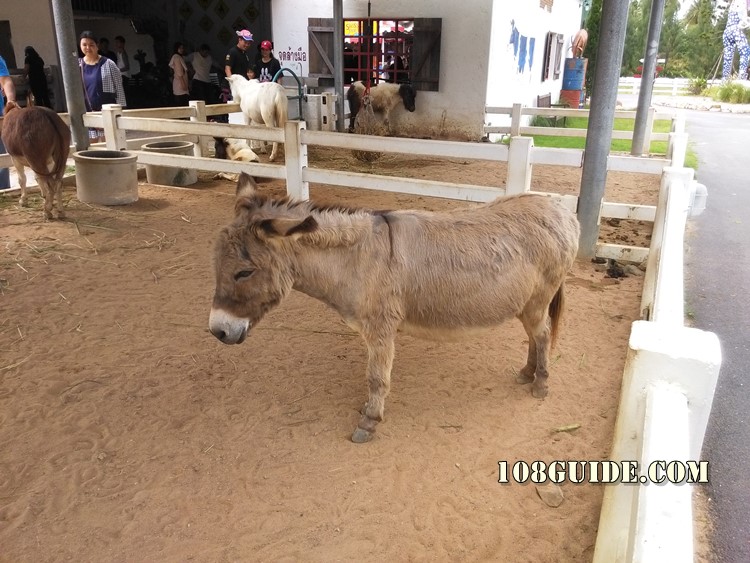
x: 280, y: 203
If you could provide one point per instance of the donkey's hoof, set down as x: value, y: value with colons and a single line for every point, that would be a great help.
x: 539, y: 391
x: 523, y: 378
x: 361, y: 436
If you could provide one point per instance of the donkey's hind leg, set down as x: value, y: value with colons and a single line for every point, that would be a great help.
x: 21, y: 171
x: 380, y: 352
x: 47, y: 187
x: 57, y: 192
x: 537, y: 328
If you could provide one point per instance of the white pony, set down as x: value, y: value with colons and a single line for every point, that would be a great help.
x: 263, y: 103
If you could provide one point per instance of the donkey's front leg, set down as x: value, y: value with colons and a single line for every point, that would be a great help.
x: 380, y: 351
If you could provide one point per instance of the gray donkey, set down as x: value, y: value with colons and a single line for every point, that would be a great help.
x: 431, y: 275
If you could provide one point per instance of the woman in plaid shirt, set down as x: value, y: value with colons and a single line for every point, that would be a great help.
x: 102, y: 81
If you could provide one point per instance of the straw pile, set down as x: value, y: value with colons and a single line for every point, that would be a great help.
x: 367, y: 124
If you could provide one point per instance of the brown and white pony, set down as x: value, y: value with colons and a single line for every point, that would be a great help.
x: 234, y: 149
x: 38, y: 138
x: 434, y: 275
x: 384, y: 98
x: 263, y: 103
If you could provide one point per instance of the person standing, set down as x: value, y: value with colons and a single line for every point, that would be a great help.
x: 104, y: 50
x: 179, y: 68
x: 237, y: 60
x: 9, y: 90
x: 33, y: 71
x: 121, y: 58
x: 201, y: 87
x: 734, y: 38
x: 267, y: 65
x: 102, y: 82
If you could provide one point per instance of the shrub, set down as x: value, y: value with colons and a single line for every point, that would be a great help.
x: 733, y: 93
x: 697, y: 86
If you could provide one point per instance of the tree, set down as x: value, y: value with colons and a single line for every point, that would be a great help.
x: 593, y: 23
x: 635, y: 36
x: 672, y: 39
x: 702, y: 46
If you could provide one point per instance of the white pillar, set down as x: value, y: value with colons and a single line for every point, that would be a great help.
x: 199, y: 114
x: 295, y: 156
x: 519, y: 165
x: 114, y: 137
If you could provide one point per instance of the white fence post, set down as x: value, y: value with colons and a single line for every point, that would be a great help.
x: 664, y: 519
x: 519, y: 165
x: 295, y: 156
x: 677, y: 149
x: 669, y: 303
x: 686, y: 358
x: 199, y: 114
x: 649, y: 129
x: 670, y: 175
x: 114, y: 137
x: 515, y: 120
x: 678, y: 122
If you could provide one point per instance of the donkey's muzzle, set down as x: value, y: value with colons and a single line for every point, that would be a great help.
x: 228, y: 328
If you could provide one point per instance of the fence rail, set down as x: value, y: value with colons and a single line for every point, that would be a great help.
x: 519, y: 118
x: 662, y: 86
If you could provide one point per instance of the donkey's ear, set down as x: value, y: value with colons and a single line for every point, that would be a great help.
x: 288, y: 227
x: 250, y: 203
x: 246, y: 186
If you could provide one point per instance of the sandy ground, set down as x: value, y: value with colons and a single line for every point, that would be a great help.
x: 129, y: 433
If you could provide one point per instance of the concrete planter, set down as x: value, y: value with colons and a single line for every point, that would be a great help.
x: 170, y: 175
x: 106, y: 177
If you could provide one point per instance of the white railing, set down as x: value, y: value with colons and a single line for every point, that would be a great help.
x: 518, y: 117
x: 662, y: 86
x: 667, y: 390
x: 520, y: 156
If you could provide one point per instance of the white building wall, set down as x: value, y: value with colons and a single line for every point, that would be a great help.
x: 32, y: 25
x: 457, y: 110
x: 510, y: 80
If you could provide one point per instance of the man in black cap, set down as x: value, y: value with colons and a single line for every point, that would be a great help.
x: 237, y: 60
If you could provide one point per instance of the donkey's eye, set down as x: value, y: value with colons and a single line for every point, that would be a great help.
x: 243, y: 274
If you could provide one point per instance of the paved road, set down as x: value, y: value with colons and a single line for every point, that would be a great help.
x: 718, y: 294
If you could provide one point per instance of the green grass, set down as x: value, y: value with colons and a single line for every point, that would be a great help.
x: 658, y: 148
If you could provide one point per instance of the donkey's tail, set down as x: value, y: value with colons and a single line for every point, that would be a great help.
x: 555, y: 312
x: 59, y: 150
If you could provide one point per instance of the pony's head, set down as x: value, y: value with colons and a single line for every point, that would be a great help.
x: 220, y: 148
x: 235, y: 85
x: 408, y: 95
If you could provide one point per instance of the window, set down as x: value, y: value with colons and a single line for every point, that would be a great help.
x: 553, y: 50
x: 386, y: 50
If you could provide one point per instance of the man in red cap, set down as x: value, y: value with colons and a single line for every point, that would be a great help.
x: 237, y: 61
x: 266, y: 66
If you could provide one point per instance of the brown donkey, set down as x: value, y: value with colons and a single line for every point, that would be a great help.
x: 428, y: 274
x: 38, y: 138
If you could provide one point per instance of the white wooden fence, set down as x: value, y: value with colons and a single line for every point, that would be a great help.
x: 668, y: 386
x: 520, y: 116
x: 671, y: 370
x: 662, y: 86
x: 520, y: 154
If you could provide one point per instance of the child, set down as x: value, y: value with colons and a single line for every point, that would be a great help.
x: 267, y: 65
